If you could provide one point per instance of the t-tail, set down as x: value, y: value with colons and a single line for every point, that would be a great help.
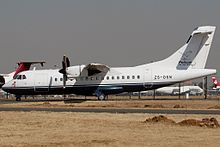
x: 194, y: 53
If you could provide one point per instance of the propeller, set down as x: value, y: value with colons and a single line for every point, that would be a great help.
x: 65, y: 65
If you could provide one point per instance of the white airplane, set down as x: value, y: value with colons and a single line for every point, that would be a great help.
x: 100, y: 80
x: 174, y: 90
x: 22, y: 66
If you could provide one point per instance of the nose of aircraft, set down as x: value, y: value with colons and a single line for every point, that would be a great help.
x: 6, y: 86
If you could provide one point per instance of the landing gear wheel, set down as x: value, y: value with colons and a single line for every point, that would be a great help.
x: 101, y: 97
x: 18, y: 98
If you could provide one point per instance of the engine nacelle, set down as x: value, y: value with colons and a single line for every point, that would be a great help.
x: 75, y: 71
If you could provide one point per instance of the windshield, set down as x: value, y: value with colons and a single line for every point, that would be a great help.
x: 20, y: 77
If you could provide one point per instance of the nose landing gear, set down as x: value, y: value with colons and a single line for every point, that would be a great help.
x: 18, y: 97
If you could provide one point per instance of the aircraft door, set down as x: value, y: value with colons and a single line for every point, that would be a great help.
x: 148, y: 84
x: 42, y: 82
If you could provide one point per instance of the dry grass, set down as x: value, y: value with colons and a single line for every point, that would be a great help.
x: 102, y: 129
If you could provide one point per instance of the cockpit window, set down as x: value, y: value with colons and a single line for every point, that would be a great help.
x: 16, y: 77
x: 24, y: 77
x: 20, y: 77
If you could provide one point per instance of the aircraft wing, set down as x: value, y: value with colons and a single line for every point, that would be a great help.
x: 96, y: 68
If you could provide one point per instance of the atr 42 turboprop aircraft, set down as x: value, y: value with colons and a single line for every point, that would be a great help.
x: 98, y: 79
x: 22, y: 66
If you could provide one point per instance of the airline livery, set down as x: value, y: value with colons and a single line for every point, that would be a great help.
x: 216, y: 85
x: 100, y: 80
x: 22, y: 66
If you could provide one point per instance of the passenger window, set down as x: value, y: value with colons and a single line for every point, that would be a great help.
x: 86, y: 78
x: 113, y: 77
x: 123, y: 77
x: 55, y: 79
x: 133, y: 77
x: 138, y: 77
x: 118, y: 77
x: 102, y: 78
x: 107, y: 77
x: 128, y: 77
x: 97, y: 78
x: 61, y: 79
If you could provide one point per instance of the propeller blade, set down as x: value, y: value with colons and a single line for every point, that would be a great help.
x: 64, y: 80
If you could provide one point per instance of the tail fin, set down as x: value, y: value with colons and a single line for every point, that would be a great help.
x: 214, y: 80
x: 194, y: 54
x: 197, y: 48
x: 216, y: 85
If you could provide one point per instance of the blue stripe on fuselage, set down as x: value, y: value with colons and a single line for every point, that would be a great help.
x: 88, y: 89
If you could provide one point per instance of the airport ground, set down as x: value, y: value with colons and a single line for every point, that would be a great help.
x: 105, y: 129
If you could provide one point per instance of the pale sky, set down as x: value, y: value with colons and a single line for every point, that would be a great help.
x: 113, y: 32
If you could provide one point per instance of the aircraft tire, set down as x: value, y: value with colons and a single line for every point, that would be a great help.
x: 102, y: 97
x: 18, y: 98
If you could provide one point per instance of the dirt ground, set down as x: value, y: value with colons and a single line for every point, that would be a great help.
x: 103, y: 129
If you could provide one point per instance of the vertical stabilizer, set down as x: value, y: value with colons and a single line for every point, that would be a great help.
x: 193, y: 54
x: 197, y: 48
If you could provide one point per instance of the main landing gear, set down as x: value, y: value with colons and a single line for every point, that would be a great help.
x: 99, y: 93
x: 102, y: 97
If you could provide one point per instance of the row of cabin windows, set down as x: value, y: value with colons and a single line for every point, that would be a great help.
x: 61, y: 79
x: 108, y: 78
x: 102, y: 78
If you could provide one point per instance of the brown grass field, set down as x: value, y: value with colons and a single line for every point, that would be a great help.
x: 104, y: 129
x: 91, y: 129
